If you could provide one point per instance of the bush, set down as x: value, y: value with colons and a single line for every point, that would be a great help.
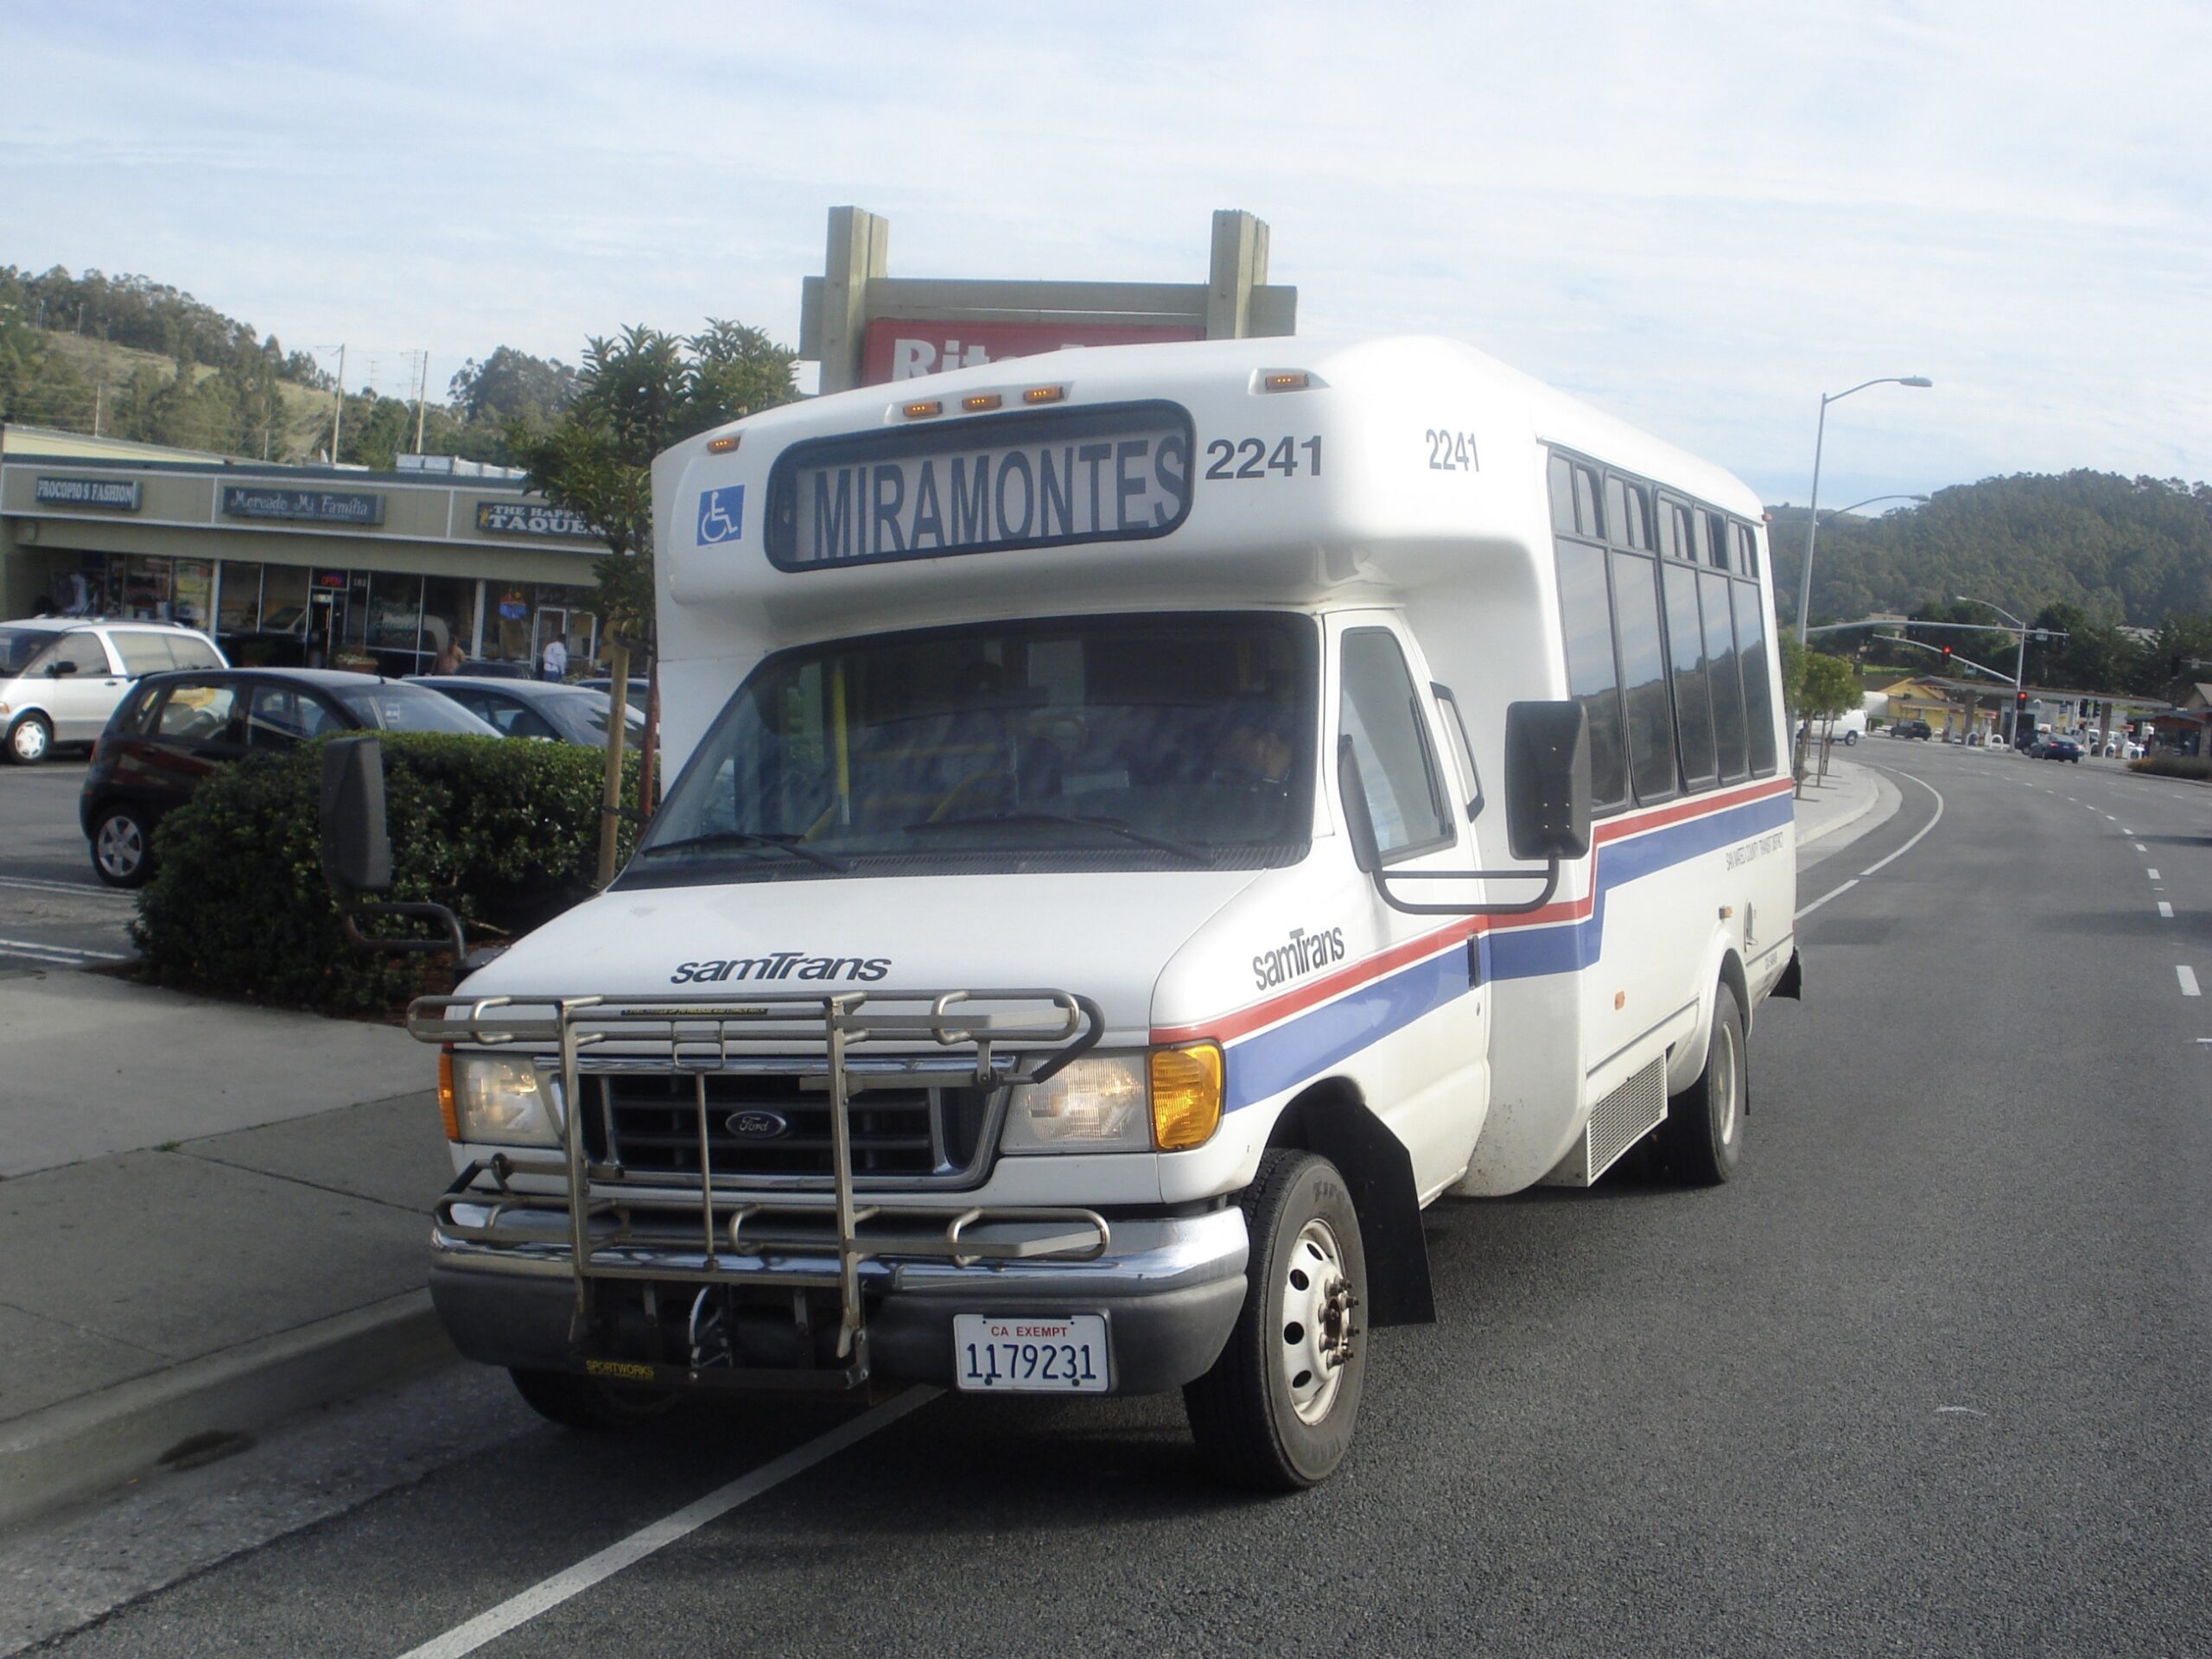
x: 507, y: 833
x: 2174, y: 766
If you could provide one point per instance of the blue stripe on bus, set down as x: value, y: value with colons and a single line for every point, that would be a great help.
x: 1271, y: 1061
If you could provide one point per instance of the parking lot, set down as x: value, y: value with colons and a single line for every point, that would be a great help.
x: 54, y: 912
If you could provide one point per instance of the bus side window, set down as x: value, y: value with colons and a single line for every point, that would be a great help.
x: 1593, y: 676
x: 1561, y: 475
x: 1722, y: 674
x: 1644, y: 681
x: 1693, y: 703
x: 1455, y: 738
x: 1751, y: 653
x: 1382, y: 717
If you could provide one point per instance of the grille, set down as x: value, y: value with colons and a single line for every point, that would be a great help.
x: 649, y: 1125
x: 1618, y: 1121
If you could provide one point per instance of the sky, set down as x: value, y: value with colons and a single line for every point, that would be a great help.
x: 1699, y: 216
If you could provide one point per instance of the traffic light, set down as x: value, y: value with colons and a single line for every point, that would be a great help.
x: 2019, y: 699
x: 1947, y: 654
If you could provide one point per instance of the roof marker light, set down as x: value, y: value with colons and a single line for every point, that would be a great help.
x: 722, y: 445
x: 922, y: 411
x: 981, y: 401
x: 1045, y: 395
x: 1285, y: 380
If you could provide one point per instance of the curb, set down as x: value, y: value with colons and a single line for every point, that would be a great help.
x: 1873, y: 800
x: 79, y: 1447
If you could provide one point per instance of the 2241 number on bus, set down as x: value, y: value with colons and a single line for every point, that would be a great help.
x: 1251, y: 458
x: 1020, y: 1354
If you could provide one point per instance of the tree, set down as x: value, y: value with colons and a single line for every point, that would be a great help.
x: 511, y: 385
x: 1829, y: 687
x: 640, y: 393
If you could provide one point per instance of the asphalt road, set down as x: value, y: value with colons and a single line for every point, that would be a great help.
x: 54, y: 912
x: 1929, y: 1377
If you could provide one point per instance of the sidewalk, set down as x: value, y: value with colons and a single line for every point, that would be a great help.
x: 1853, y: 799
x: 210, y: 1215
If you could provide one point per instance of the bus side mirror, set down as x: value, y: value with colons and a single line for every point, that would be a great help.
x: 1548, y: 779
x: 1359, y: 822
x: 356, y: 845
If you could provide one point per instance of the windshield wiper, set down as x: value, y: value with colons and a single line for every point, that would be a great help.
x: 748, y: 838
x: 1081, y: 821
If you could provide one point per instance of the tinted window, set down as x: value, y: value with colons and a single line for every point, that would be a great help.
x: 1586, y: 503
x: 1730, y: 736
x: 1381, y: 717
x: 191, y: 652
x: 19, y: 648
x: 84, y: 649
x: 1758, y: 695
x: 1643, y: 677
x: 1685, y: 650
x: 142, y: 653
x: 201, y: 714
x: 1586, y: 618
x: 281, y: 716
x: 1561, y: 476
x: 1616, y: 511
x: 409, y: 708
x: 1638, y: 525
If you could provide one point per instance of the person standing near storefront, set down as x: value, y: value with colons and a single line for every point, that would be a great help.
x: 556, y: 660
x: 449, y: 659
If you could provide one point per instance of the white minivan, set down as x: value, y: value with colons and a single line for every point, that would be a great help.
x: 1151, y: 822
x: 61, y: 676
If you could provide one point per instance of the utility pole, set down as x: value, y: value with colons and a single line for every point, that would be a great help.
x: 421, y: 390
x: 99, y: 395
x: 339, y: 419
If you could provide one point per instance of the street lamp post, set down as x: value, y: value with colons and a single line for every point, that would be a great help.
x: 1813, y: 528
x: 2019, y: 662
x: 1871, y: 499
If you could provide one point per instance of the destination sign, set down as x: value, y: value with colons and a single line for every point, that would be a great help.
x: 530, y: 518
x: 984, y: 486
x: 110, y: 494
x: 316, y: 506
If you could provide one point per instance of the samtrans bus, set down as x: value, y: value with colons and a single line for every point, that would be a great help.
x: 1147, y: 823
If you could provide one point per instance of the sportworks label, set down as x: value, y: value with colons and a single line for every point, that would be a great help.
x: 1304, y: 953
x: 780, y: 964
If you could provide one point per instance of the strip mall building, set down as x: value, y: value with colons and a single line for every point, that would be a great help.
x: 373, y: 570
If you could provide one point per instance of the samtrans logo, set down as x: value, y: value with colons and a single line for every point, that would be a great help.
x: 1304, y: 953
x: 780, y: 964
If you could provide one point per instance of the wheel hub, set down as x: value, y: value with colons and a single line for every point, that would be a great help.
x: 1320, y: 1327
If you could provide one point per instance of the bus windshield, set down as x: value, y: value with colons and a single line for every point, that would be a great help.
x: 1137, y: 742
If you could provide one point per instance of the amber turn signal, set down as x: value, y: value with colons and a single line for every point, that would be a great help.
x: 447, y: 1113
x: 1185, y: 1095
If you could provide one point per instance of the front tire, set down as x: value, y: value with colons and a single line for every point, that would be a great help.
x: 123, y: 849
x: 588, y: 1403
x: 29, y: 740
x: 1277, y: 1411
x: 1702, y: 1138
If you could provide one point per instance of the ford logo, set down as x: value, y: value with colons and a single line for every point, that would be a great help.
x: 757, y: 1125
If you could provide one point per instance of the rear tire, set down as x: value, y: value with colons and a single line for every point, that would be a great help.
x: 30, y: 739
x: 1702, y: 1138
x: 123, y: 849
x: 1277, y: 1411
x: 587, y: 1402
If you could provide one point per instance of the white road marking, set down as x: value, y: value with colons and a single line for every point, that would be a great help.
x: 75, y: 889
x: 2125, y: 831
x: 1924, y: 828
x: 1824, y: 897
x: 2166, y: 910
x: 67, y: 952
x: 2188, y: 977
x: 574, y: 1580
x: 2153, y: 874
x: 2140, y: 846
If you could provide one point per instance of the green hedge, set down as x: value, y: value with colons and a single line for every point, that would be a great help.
x: 506, y: 832
x: 2174, y: 766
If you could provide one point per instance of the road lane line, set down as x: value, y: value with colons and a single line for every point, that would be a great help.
x: 40, y: 957
x: 74, y: 889
x: 1824, y: 898
x: 72, y: 952
x: 2140, y: 846
x: 2166, y: 910
x: 1924, y: 828
x: 2153, y: 874
x: 2125, y: 831
x: 574, y: 1580
x: 2188, y: 977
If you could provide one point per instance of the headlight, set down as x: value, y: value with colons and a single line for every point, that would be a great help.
x: 1093, y: 1104
x: 1169, y: 1098
x: 497, y: 1099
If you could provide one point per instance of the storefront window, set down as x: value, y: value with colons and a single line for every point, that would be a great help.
x: 146, y: 589
x: 241, y: 602
x: 284, y: 599
x: 192, y: 593
x: 449, y: 618
x: 507, y: 630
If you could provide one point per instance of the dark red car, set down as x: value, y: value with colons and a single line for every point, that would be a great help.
x: 174, y: 729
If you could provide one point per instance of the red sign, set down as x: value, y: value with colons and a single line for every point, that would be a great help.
x: 898, y: 350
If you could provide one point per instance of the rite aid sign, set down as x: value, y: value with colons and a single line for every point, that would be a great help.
x: 894, y: 350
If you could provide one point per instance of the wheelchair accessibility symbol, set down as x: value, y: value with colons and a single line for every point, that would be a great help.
x: 721, y: 515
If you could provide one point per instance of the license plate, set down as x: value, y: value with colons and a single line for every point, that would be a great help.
x: 1025, y: 1354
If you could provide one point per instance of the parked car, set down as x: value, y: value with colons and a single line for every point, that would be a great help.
x: 490, y: 669
x: 1848, y: 728
x: 639, y: 689
x: 1919, y: 729
x: 568, y: 714
x: 173, y: 729
x: 2059, y: 749
x: 61, y: 676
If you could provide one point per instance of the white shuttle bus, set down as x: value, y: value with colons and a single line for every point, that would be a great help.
x: 1146, y: 822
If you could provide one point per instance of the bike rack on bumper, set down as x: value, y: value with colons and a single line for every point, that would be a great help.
x: 620, y: 1225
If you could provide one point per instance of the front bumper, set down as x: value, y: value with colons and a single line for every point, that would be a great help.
x: 1168, y: 1286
